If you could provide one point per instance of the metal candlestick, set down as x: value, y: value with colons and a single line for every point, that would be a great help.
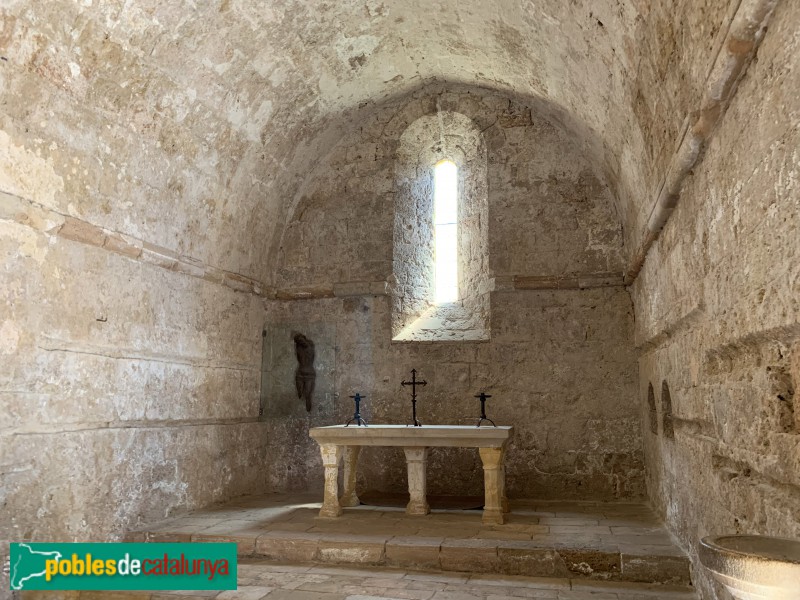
x: 357, y: 415
x: 414, y: 383
x: 483, y: 396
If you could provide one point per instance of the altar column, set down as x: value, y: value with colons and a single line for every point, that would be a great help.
x: 417, y: 459
x: 331, y: 454
x: 349, y: 496
x: 495, y: 502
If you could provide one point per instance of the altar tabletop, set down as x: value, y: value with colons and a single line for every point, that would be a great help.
x: 427, y: 436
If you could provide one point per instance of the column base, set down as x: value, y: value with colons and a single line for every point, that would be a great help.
x: 418, y: 510
x: 330, y: 513
x: 493, y: 517
x: 349, y: 501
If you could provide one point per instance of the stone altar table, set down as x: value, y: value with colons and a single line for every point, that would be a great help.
x: 339, y: 441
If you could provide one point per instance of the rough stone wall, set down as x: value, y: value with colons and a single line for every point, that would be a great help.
x: 259, y: 92
x: 129, y: 390
x: 552, y: 231
x: 549, y: 370
x: 129, y: 332
x: 442, y: 136
x: 551, y: 215
x: 678, y: 45
x: 551, y: 212
x: 413, y: 252
x: 718, y: 319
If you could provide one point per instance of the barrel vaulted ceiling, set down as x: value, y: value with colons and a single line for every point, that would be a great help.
x: 264, y: 88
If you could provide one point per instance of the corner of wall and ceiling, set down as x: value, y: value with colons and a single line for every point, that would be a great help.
x: 736, y: 52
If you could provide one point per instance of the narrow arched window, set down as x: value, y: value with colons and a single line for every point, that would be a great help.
x: 445, y: 221
x: 440, y: 254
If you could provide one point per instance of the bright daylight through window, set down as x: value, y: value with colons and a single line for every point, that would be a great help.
x: 445, y: 220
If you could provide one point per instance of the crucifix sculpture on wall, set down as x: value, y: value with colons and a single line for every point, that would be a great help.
x: 305, y: 375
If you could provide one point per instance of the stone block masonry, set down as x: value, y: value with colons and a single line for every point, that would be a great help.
x: 572, y: 404
x: 554, y: 307
x: 163, y: 165
x: 133, y: 389
x: 717, y: 306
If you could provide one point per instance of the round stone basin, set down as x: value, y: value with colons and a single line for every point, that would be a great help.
x: 754, y: 567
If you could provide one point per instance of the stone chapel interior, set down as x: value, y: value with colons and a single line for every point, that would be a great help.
x: 220, y: 220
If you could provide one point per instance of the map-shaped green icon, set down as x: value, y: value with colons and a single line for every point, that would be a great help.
x: 27, y: 563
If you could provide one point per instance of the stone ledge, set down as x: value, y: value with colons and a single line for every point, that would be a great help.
x: 413, y: 552
x: 294, y: 546
x: 259, y: 579
x: 541, y: 558
x: 567, y: 282
x: 577, y: 541
x: 344, y: 548
x: 531, y: 562
x: 450, y: 322
x: 470, y: 555
x: 737, y: 50
x: 54, y: 224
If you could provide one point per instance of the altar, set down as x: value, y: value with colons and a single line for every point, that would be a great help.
x: 345, y: 442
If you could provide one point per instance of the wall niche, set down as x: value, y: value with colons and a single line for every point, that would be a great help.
x: 666, y: 411
x: 416, y: 316
x: 651, y: 409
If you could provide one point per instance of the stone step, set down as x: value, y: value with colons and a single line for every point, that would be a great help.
x: 536, y: 558
x: 547, y: 556
x: 587, y: 541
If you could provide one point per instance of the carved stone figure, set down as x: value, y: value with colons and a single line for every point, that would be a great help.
x: 305, y: 376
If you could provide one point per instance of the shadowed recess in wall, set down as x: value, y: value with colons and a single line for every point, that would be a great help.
x: 666, y: 411
x: 651, y: 409
x: 782, y: 386
x: 298, y: 365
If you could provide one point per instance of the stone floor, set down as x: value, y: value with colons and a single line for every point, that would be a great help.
x: 570, y: 541
x: 259, y: 579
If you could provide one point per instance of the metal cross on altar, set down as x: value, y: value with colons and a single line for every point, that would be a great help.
x: 414, y: 383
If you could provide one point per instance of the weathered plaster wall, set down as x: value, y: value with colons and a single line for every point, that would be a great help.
x: 678, y: 47
x: 121, y: 143
x: 551, y: 214
x: 128, y: 390
x: 718, y: 319
x: 260, y: 92
x: 129, y: 336
x: 451, y: 136
x: 559, y: 363
x: 547, y: 366
x: 158, y: 151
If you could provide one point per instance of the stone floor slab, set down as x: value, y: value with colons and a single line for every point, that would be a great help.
x: 591, y: 540
x: 314, y: 582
